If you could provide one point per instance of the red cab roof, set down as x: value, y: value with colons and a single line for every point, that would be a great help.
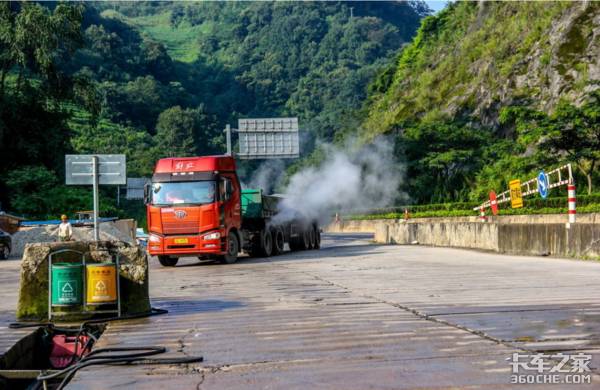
x: 195, y: 164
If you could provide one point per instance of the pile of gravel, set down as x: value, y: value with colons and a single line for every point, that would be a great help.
x: 50, y: 233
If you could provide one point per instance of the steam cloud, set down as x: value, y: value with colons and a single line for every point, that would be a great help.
x: 267, y: 177
x: 361, y: 178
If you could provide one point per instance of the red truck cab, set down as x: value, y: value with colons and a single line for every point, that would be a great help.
x: 194, y: 209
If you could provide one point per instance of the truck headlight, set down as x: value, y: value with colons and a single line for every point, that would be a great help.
x: 212, y: 236
x: 154, y: 238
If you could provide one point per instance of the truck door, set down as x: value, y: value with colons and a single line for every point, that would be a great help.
x: 231, y: 210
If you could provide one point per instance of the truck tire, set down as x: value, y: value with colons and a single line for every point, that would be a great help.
x: 278, y: 241
x: 263, y: 245
x: 317, y: 236
x: 232, y: 249
x: 267, y: 242
x: 311, y: 237
x: 300, y: 243
x: 168, y: 261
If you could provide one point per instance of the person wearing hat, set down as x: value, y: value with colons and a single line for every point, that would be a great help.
x: 65, y: 229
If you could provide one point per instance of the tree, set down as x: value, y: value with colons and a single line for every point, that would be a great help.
x: 31, y: 42
x: 35, y: 88
x: 441, y: 157
x: 175, y: 132
x: 570, y: 131
x: 36, y: 193
x: 158, y: 62
x: 208, y: 136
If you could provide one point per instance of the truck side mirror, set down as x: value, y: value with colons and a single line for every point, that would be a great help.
x: 230, y: 189
x: 147, y: 193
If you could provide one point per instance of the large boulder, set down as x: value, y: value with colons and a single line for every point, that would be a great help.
x: 133, y: 273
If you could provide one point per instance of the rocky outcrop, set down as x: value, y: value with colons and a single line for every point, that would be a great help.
x: 133, y: 273
x: 475, y: 59
x: 556, y: 68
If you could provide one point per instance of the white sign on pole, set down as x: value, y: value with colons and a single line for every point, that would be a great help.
x: 111, y: 169
x: 268, y: 138
x: 89, y: 169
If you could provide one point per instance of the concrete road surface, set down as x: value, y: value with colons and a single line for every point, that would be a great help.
x: 361, y: 316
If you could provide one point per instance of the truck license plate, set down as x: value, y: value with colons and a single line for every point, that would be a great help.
x: 181, y: 241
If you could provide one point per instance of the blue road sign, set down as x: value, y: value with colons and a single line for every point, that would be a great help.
x: 543, y: 184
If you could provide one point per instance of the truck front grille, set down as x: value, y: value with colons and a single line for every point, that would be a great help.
x: 181, y: 246
x: 180, y: 227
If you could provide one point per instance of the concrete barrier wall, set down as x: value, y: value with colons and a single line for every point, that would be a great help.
x: 368, y: 226
x: 559, y: 239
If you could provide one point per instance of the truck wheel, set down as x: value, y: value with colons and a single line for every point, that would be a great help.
x: 168, y: 261
x: 278, y: 241
x: 311, y: 237
x: 232, y: 249
x: 300, y: 243
x: 262, y: 245
x: 267, y: 243
x: 304, y: 240
x: 317, y: 236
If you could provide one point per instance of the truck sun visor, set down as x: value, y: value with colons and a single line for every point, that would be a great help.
x: 183, y: 176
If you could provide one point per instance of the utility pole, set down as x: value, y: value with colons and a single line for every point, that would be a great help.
x: 351, y: 12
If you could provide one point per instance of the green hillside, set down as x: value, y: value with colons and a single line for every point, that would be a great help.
x: 489, y: 92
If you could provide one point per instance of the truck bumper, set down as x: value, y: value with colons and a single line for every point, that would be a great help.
x: 184, y: 245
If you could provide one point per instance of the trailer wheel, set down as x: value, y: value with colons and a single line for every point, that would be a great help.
x: 300, y: 243
x: 168, y: 261
x: 278, y: 241
x: 232, y: 250
x: 311, y: 237
x: 317, y: 236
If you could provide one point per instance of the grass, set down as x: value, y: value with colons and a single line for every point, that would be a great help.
x: 180, y: 42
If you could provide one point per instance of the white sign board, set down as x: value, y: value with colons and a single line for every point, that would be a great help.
x: 268, y: 138
x: 80, y: 169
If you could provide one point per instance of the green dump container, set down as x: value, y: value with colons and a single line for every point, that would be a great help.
x: 257, y: 205
x: 66, y: 284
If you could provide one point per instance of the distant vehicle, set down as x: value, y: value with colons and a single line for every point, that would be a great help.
x: 196, y: 207
x: 5, y: 245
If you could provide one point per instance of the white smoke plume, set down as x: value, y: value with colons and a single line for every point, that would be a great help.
x: 267, y: 177
x: 360, y: 178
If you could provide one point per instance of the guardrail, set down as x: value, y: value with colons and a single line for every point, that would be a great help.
x: 502, y: 198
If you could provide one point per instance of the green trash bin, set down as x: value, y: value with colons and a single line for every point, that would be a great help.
x: 67, y: 289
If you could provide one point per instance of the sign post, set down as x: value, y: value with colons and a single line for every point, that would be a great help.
x: 96, y: 196
x: 86, y: 169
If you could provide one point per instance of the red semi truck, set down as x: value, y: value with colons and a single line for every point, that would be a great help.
x: 196, y: 207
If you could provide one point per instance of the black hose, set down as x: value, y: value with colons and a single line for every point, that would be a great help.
x: 93, y: 359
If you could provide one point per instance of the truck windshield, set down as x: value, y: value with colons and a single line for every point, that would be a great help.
x: 191, y: 193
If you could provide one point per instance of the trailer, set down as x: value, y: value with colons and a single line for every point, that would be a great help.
x: 196, y: 207
x: 267, y: 235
